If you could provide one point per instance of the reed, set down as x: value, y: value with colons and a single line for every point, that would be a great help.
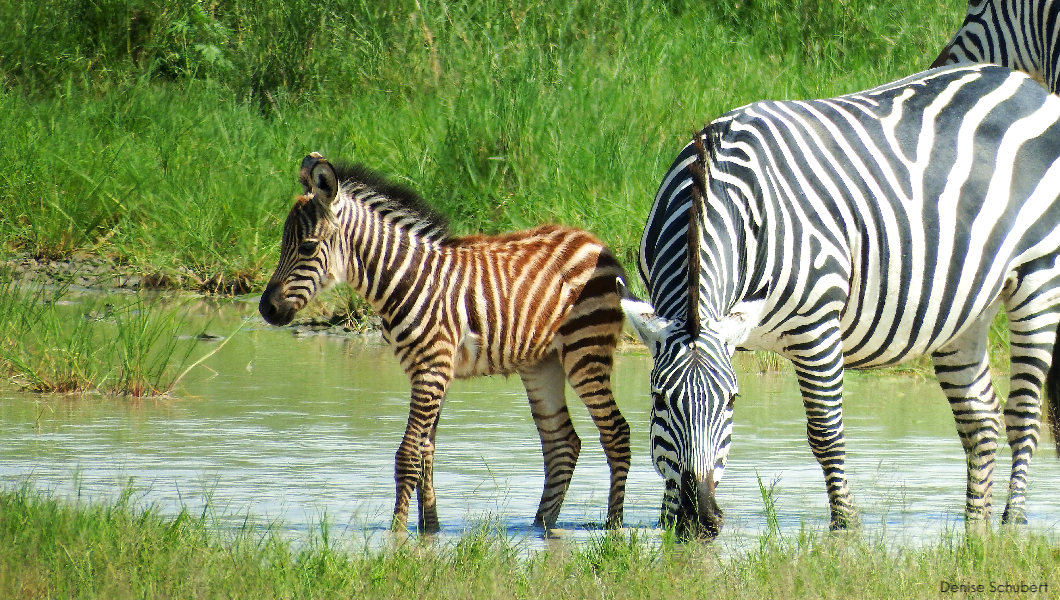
x: 122, y: 345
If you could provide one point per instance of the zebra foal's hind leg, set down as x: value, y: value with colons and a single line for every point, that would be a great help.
x: 963, y: 372
x: 560, y: 444
x: 588, y: 367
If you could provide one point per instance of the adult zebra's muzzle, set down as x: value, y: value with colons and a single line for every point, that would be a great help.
x: 274, y: 307
x: 698, y: 515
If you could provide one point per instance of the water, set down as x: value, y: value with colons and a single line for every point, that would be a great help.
x: 294, y: 430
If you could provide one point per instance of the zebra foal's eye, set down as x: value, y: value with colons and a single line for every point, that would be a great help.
x: 308, y: 247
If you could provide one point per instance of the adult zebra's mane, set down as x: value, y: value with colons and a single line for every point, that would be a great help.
x: 398, y: 200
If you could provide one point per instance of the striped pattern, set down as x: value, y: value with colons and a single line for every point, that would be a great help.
x: 541, y: 303
x: 1019, y: 34
x: 857, y: 232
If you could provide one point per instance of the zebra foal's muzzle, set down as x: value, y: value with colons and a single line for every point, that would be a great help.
x: 274, y: 307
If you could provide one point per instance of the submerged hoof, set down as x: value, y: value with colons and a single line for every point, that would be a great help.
x: 1014, y: 516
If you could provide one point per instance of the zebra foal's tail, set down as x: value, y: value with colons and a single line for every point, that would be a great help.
x: 1052, y: 393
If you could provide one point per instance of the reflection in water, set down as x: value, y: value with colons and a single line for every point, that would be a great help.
x: 293, y: 430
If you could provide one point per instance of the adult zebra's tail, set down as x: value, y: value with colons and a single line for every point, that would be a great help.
x: 1052, y: 393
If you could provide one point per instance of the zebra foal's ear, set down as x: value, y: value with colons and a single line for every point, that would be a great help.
x: 321, y: 177
x: 650, y: 327
x: 305, y: 172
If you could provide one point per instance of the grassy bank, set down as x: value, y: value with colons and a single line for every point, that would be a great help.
x: 167, y: 135
x: 56, y: 550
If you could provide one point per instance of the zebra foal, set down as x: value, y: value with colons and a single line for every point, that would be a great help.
x: 541, y: 303
x: 1018, y: 34
x: 857, y: 232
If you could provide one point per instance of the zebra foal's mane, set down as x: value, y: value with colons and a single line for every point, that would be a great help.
x: 398, y: 200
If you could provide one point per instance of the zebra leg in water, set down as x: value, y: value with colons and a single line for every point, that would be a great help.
x: 560, y: 444
x: 425, y: 497
x: 414, y: 460
x: 963, y: 371
x: 1032, y: 318
x: 589, y: 373
x: 818, y: 360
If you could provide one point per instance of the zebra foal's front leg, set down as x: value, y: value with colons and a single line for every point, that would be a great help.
x: 414, y: 461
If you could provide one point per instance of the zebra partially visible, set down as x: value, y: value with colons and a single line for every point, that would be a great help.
x: 856, y: 232
x: 542, y: 303
x: 1019, y: 34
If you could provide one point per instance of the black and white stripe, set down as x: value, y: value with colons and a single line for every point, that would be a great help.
x: 856, y: 232
x: 541, y: 303
x: 1019, y: 34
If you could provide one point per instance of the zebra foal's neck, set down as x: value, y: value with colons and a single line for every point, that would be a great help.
x: 391, y: 235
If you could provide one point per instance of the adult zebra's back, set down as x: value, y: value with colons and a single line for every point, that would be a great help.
x: 1019, y: 34
x: 856, y: 232
x: 542, y: 303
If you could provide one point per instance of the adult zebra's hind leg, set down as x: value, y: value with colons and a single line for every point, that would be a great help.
x: 560, y: 444
x: 963, y: 372
x: 1032, y: 316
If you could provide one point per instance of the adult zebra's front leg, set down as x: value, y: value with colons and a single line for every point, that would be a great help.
x: 818, y: 364
x: 963, y: 372
x: 414, y: 461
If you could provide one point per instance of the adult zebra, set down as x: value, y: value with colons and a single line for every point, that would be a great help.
x: 541, y: 303
x: 856, y: 232
x: 1019, y: 34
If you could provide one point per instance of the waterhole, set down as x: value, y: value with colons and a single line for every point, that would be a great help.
x: 284, y: 432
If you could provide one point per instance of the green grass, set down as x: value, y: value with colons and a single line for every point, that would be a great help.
x: 123, y: 345
x: 54, y: 549
x: 167, y: 135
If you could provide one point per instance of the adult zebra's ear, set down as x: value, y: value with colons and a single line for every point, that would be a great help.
x: 735, y: 327
x: 650, y: 327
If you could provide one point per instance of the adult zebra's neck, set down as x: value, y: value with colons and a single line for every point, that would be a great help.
x: 704, y: 228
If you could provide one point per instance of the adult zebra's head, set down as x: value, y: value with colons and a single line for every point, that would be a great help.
x: 693, y: 388
x: 308, y: 260
x: 696, y: 268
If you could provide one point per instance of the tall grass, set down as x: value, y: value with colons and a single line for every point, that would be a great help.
x: 51, y: 344
x: 168, y: 134
x: 52, y: 549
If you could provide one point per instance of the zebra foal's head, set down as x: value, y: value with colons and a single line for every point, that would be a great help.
x: 307, y: 264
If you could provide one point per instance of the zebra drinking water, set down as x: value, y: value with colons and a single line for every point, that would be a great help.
x: 856, y: 232
x: 542, y: 303
x: 1019, y: 34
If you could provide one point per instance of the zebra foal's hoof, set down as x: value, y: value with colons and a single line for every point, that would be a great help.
x: 1014, y: 516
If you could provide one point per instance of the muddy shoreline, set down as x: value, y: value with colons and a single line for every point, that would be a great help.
x: 100, y: 273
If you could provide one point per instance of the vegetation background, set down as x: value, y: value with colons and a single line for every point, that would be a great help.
x: 166, y: 135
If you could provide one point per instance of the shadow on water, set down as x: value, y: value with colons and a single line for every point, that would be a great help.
x: 290, y: 431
